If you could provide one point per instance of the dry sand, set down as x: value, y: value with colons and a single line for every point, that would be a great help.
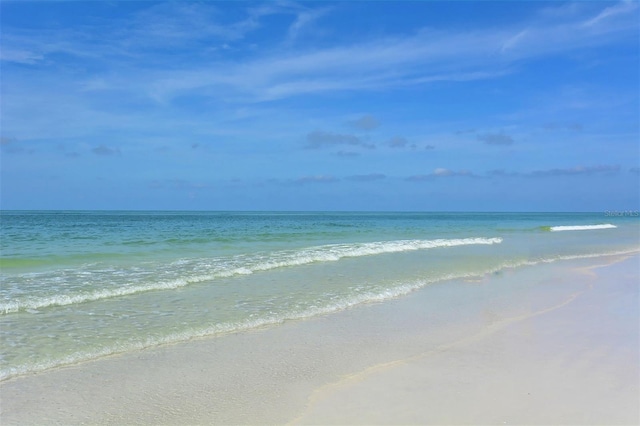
x: 548, y: 344
x: 575, y: 362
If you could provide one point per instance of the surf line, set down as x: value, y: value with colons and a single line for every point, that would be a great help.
x: 581, y: 227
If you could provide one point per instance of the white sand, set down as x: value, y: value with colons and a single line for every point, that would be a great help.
x: 549, y: 344
x: 575, y: 362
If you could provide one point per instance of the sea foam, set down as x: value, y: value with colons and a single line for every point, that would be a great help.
x: 191, y: 271
x: 581, y: 227
x: 347, y: 302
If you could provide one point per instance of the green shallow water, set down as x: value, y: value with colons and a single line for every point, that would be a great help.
x: 80, y: 285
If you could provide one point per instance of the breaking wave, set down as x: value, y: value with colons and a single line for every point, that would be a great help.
x: 349, y: 301
x: 191, y: 271
x: 580, y: 227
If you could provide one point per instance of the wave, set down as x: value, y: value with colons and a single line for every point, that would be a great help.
x: 215, y: 330
x: 275, y: 319
x: 580, y: 227
x: 227, y: 327
x: 244, y: 265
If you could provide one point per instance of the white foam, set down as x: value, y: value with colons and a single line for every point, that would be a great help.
x: 347, y: 302
x: 244, y: 265
x: 582, y: 227
x: 226, y: 328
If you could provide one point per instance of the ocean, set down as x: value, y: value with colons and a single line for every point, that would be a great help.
x: 80, y: 285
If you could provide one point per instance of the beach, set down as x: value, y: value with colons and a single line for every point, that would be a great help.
x: 319, y: 213
x: 551, y: 343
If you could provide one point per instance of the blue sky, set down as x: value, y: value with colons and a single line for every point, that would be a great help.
x: 510, y: 106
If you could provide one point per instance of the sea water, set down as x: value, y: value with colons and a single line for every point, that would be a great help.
x: 76, y: 286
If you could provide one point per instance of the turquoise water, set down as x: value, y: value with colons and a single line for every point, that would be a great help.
x: 76, y: 286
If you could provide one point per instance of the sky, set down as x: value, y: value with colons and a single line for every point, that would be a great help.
x: 383, y: 106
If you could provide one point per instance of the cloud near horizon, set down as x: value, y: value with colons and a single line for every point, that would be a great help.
x: 103, y: 150
x: 496, y: 139
x: 578, y: 170
x: 559, y: 172
x: 367, y: 178
x: 366, y: 122
x: 440, y: 172
x: 316, y: 179
x: 607, y: 170
x: 319, y: 139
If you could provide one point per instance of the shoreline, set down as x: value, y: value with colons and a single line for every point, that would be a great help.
x: 396, y: 384
x: 220, y: 331
x: 307, y: 371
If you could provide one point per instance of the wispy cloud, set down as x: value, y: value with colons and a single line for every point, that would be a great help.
x: 169, y: 24
x: 20, y: 56
x: 513, y: 41
x: 440, y: 173
x: 496, y: 139
x: 421, y: 58
x: 104, y: 150
x: 621, y: 9
x: 320, y: 179
x: 315, y: 179
x: 366, y: 122
x: 178, y: 184
x: 347, y: 154
x: 304, y: 20
x: 382, y: 63
x: 578, y: 170
x: 576, y: 127
x: 320, y: 139
x: 302, y: 92
x: 398, y: 142
x: 367, y: 178
x: 603, y: 169
x: 146, y: 34
x: 501, y: 173
x: 13, y: 146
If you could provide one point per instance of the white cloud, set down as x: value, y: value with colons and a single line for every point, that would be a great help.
x: 176, y: 23
x: 513, y: 41
x: 304, y: 20
x: 271, y: 72
x: 20, y: 56
x: 420, y: 58
x: 623, y: 8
